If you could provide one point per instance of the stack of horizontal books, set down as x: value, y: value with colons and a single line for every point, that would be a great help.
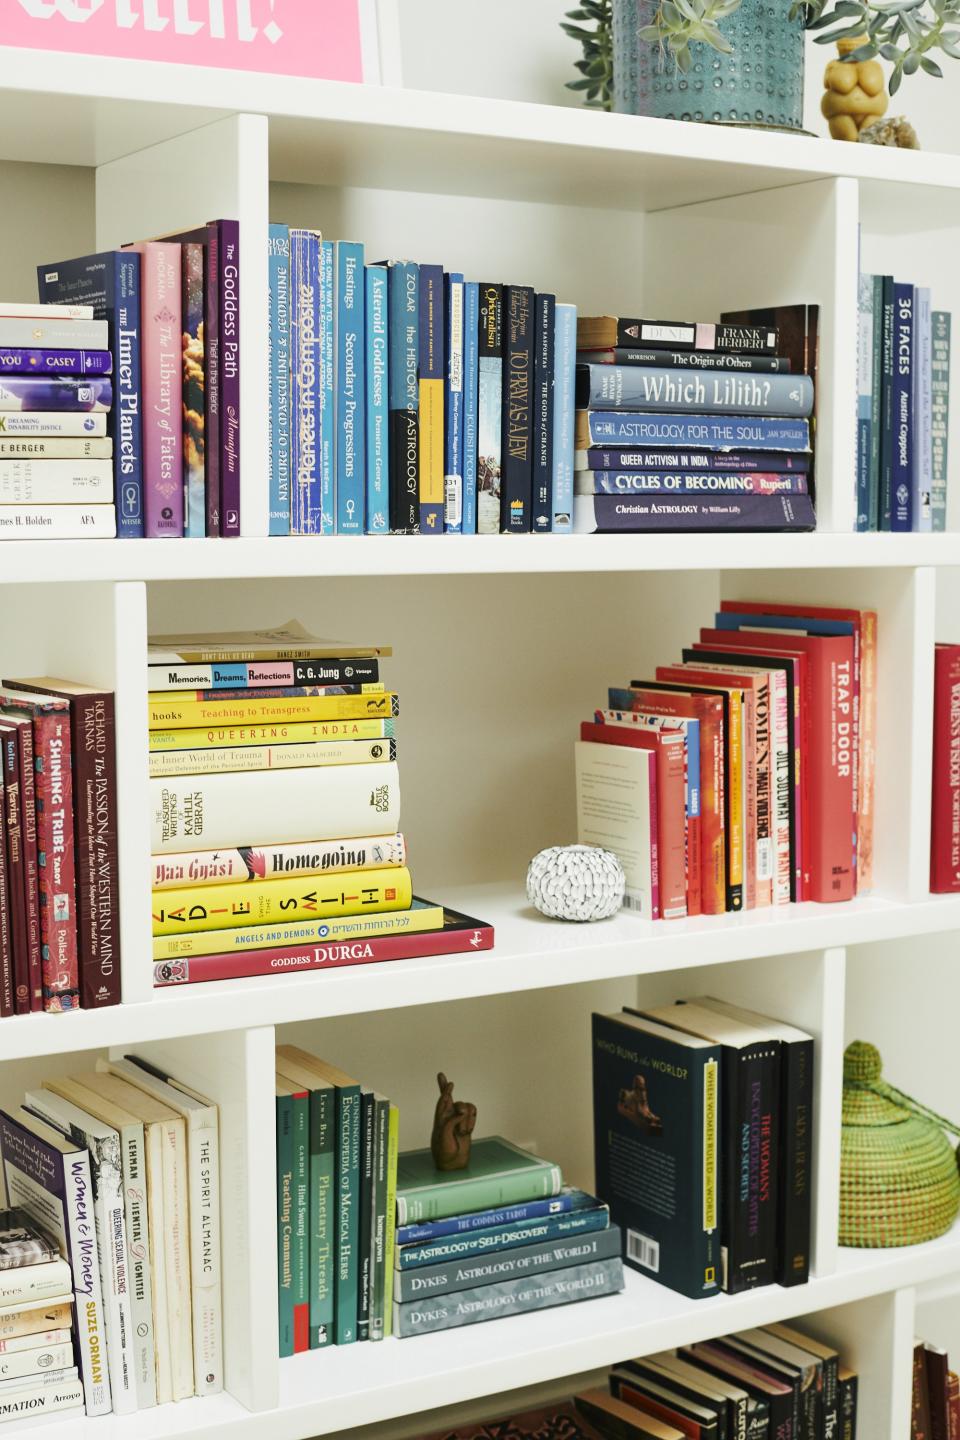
x: 498, y: 1238
x: 275, y: 806
x: 38, y: 1373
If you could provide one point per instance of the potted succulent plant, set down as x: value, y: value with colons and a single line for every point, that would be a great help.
x: 741, y: 61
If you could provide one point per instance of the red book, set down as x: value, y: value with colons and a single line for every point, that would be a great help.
x: 953, y: 1405
x: 459, y: 934
x: 31, y: 865
x: 937, y: 1368
x: 945, y: 811
x: 864, y: 714
x: 8, y: 1001
x: 649, y: 1404
x: 708, y: 709
x: 671, y: 804
x: 55, y: 848
x: 830, y: 751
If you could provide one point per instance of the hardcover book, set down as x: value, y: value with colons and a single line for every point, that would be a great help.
x: 279, y: 335
x: 355, y: 892
x: 544, y: 370
x: 682, y: 458
x: 626, y: 387
x: 564, y: 418
x: 592, y: 1216
x: 305, y: 417
x: 499, y: 1173
x: 559, y: 1419
x: 509, y: 1297
x: 525, y: 1212
x: 194, y: 385
x: 517, y: 412
x: 161, y: 308
x: 377, y: 503
x: 455, y: 319
x: 602, y: 331
x: 610, y: 514
x: 490, y: 410
x: 656, y: 1096
x: 705, y: 432
x: 349, y: 387
x: 945, y: 818
x: 471, y: 402
x: 465, y: 1273
x: 403, y: 303
x: 432, y: 371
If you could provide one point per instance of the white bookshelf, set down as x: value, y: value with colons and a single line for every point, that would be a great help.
x: 502, y: 645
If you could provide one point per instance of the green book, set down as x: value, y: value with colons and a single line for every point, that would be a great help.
x: 347, y: 1193
x: 378, y: 1218
x: 294, y: 1213
x: 322, y: 1182
x: 285, y: 1215
x: 393, y: 1148
x: 499, y: 1173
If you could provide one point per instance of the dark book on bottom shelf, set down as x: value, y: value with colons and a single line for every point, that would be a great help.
x: 691, y: 1389
x: 746, y: 1416
x: 656, y: 1134
x: 847, y: 1383
x: 938, y: 1371
x: 664, y: 1403
x: 768, y: 1390
x: 562, y: 1418
x: 804, y: 1366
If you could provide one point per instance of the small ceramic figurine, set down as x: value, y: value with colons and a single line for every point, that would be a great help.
x: 854, y: 92
x: 453, y: 1125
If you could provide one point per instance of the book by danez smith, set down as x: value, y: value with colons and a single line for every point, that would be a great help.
x: 498, y: 1173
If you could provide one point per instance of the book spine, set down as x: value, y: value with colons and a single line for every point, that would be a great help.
x: 176, y: 1256
x: 699, y: 482
x: 365, y: 1234
x: 431, y: 379
x: 34, y: 1284
x: 323, y: 1130
x: 53, y: 333
x: 138, y: 1248
x: 564, y: 417
x: 243, y: 759
x: 485, y: 1242
x: 193, y: 387
x: 750, y: 1147
x: 429, y: 1230
x: 300, y: 1239
x: 286, y: 1278
x: 471, y: 402
x: 432, y: 1202
x: 687, y: 359
x: 348, y: 1180
x: 923, y: 412
x: 48, y: 1399
x: 279, y: 337
x: 830, y: 1398
x: 453, y: 405
x: 510, y: 1297
x: 56, y: 861
x: 48, y: 424
x: 28, y: 801
x: 354, y: 892
x: 304, y: 382
x: 14, y: 944
x: 626, y: 387
x: 795, y: 1188
x: 616, y: 428
x: 887, y: 372
x: 939, y: 412
x: 904, y: 458
x: 735, y: 462
x: 378, y: 415
x: 428, y: 1281
x: 876, y: 404
x: 945, y: 825
x: 350, y: 385
x: 867, y: 747
x: 378, y: 1219
x: 19, y: 1325
x: 490, y: 410
x: 213, y: 394
x: 393, y: 1152
x: 57, y: 522
x: 124, y: 315
x: 96, y: 851
x: 162, y: 407
x: 517, y: 414
x: 87, y: 1284
x: 753, y: 339
x: 765, y: 863
x: 608, y: 514
x: 230, y: 441
x: 402, y: 368
x: 544, y: 344
x: 272, y: 862
x: 328, y: 393
x: 781, y: 790
x: 177, y: 713
x: 864, y: 406
x: 56, y: 449
x: 53, y: 482
x: 36, y: 392
x: 848, y: 1406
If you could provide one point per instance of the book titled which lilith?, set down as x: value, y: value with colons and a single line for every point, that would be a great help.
x: 634, y: 387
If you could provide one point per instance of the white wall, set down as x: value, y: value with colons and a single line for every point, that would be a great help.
x: 515, y: 49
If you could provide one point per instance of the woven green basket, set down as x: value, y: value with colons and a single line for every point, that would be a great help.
x: 899, y: 1183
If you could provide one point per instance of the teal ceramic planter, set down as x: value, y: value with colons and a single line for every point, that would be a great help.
x: 761, y: 83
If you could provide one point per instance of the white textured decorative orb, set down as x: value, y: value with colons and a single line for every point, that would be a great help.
x: 576, y: 882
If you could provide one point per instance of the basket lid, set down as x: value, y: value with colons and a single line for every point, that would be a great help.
x: 866, y: 1099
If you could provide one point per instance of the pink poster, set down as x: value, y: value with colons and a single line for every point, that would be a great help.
x: 315, y: 38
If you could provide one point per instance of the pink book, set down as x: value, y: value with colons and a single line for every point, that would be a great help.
x: 162, y: 387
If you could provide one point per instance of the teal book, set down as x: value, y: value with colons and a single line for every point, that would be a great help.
x: 499, y: 1173
x: 321, y: 1192
x: 365, y: 1236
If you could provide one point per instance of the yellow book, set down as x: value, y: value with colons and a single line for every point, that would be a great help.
x: 218, y: 907
x: 238, y: 758
x: 431, y: 453
x: 167, y: 712
x: 215, y: 737
x: 416, y: 921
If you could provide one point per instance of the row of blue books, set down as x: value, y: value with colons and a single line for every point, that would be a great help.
x: 405, y: 398
x: 903, y: 399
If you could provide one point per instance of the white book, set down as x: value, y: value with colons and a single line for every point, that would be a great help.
x: 43, y: 448
x: 616, y: 790
x: 203, y: 1178
x: 25, y: 1404
x: 213, y: 811
x: 35, y: 1341
x: 50, y: 1177
x: 34, y: 310
x: 103, y: 1143
x: 56, y: 482
x: 44, y: 423
x: 53, y: 333
x: 135, y: 1214
x: 35, y: 1283
x: 31, y: 1317
x: 36, y: 1362
x: 40, y: 1379
x: 58, y: 522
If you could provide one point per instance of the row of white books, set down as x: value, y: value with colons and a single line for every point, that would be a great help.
x: 120, y: 1166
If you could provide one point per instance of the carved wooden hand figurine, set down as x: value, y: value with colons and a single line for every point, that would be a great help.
x: 453, y: 1125
x: 634, y: 1105
x: 854, y: 93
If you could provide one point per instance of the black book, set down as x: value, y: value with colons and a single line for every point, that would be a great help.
x: 773, y: 1420
x: 687, y: 359
x: 750, y: 1107
x: 847, y: 1397
x: 688, y: 1383
x: 656, y: 1139
x: 831, y: 1371
x: 773, y: 1369
x: 517, y: 416
x: 403, y: 394
x: 794, y: 1195
x: 545, y: 317
x: 663, y: 1403
x: 807, y: 1367
x: 368, y: 1106
x: 748, y: 1416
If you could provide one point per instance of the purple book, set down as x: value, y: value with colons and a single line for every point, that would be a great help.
x: 48, y: 1176
x: 55, y: 362
x: 775, y: 461
x: 639, y: 514
x: 44, y: 392
x: 229, y: 231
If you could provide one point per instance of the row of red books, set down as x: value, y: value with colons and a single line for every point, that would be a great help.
x: 742, y: 775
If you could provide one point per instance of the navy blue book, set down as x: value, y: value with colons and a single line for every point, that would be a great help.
x: 886, y: 403
x: 403, y: 393
x: 544, y: 325
x: 516, y: 474
x: 110, y: 282
x: 903, y: 460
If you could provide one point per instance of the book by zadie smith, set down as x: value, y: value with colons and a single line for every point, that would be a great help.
x: 656, y: 1099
